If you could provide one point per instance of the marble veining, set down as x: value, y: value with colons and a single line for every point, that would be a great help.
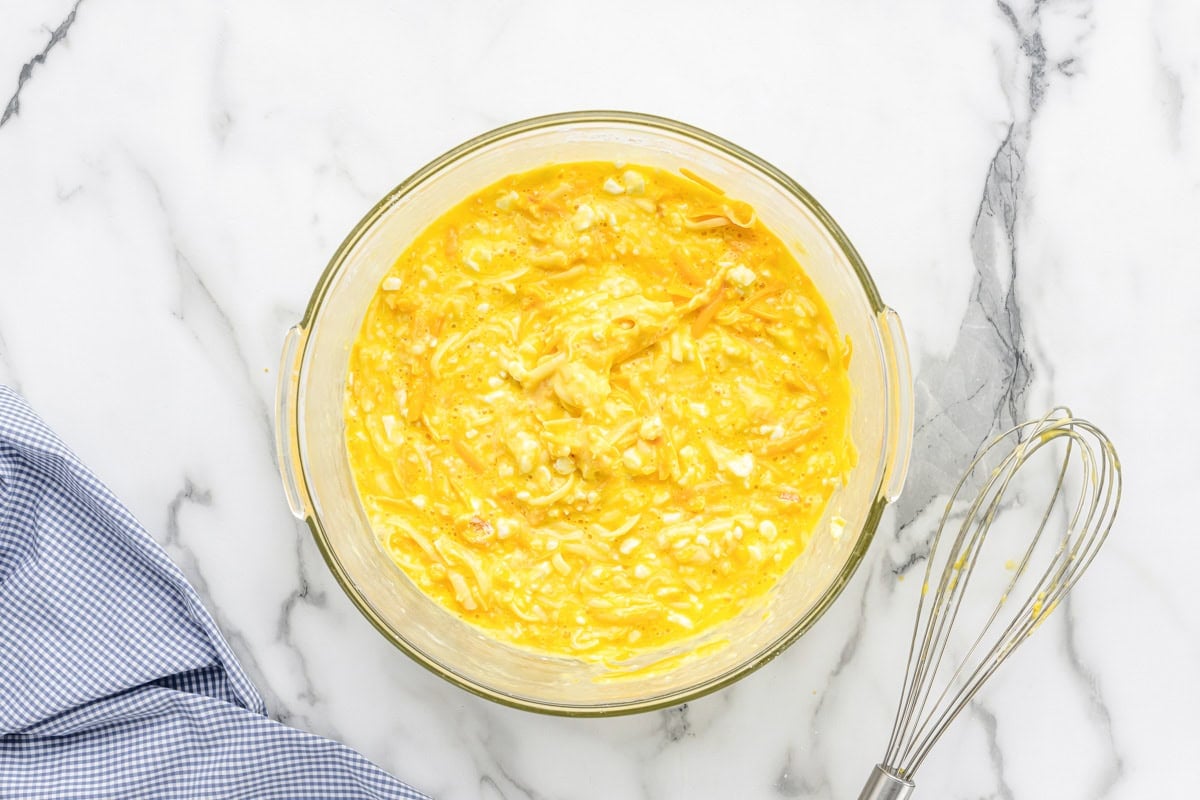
x: 13, y: 107
x: 1023, y: 179
x: 1105, y: 780
x: 200, y: 312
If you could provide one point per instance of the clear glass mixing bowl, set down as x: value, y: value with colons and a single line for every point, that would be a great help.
x: 320, y: 488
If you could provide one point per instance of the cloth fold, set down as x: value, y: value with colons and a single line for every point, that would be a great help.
x: 114, y: 680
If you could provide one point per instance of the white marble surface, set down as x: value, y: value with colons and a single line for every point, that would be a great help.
x: 1022, y: 179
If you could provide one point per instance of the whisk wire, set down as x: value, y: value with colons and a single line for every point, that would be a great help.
x: 948, y: 600
x: 924, y: 662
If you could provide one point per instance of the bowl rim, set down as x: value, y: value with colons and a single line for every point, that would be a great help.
x: 316, y: 302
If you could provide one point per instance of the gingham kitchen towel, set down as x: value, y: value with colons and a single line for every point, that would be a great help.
x: 114, y: 680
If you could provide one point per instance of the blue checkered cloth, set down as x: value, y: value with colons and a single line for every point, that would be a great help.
x: 114, y: 680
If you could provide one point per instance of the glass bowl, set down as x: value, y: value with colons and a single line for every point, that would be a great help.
x: 320, y: 489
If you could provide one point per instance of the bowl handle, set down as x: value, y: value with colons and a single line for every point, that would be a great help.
x: 900, y: 403
x: 287, y: 444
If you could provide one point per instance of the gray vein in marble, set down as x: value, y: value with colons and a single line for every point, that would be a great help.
x: 1034, y: 50
x: 195, y: 298
x: 188, y: 494
x: 185, y: 558
x: 65, y: 195
x: 1146, y: 584
x: 192, y: 284
x: 1018, y: 143
x: 980, y: 388
x: 172, y: 540
x: 675, y: 724
x: 853, y: 640
x: 13, y: 107
x: 1172, y: 87
x: 1170, y: 91
x: 995, y: 754
x: 320, y: 243
x: 221, y: 117
x: 8, y: 372
x: 341, y: 169
x: 525, y: 791
x: 1105, y: 782
x: 302, y: 596
x: 643, y: 781
x: 1068, y: 67
x: 811, y: 779
x: 680, y: 722
x: 486, y: 782
x: 790, y: 784
x: 812, y: 784
x: 487, y: 776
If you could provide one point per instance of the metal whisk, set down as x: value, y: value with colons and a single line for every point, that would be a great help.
x: 1087, y: 493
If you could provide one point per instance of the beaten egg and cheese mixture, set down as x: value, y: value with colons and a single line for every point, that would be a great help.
x: 597, y: 409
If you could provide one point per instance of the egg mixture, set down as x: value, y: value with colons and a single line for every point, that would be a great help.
x: 596, y: 409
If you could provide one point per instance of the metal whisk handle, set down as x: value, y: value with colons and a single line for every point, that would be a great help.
x: 885, y: 785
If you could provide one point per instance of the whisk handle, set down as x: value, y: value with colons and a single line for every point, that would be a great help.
x: 884, y: 785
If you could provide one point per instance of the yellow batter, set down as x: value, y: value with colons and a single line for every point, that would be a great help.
x: 595, y: 409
